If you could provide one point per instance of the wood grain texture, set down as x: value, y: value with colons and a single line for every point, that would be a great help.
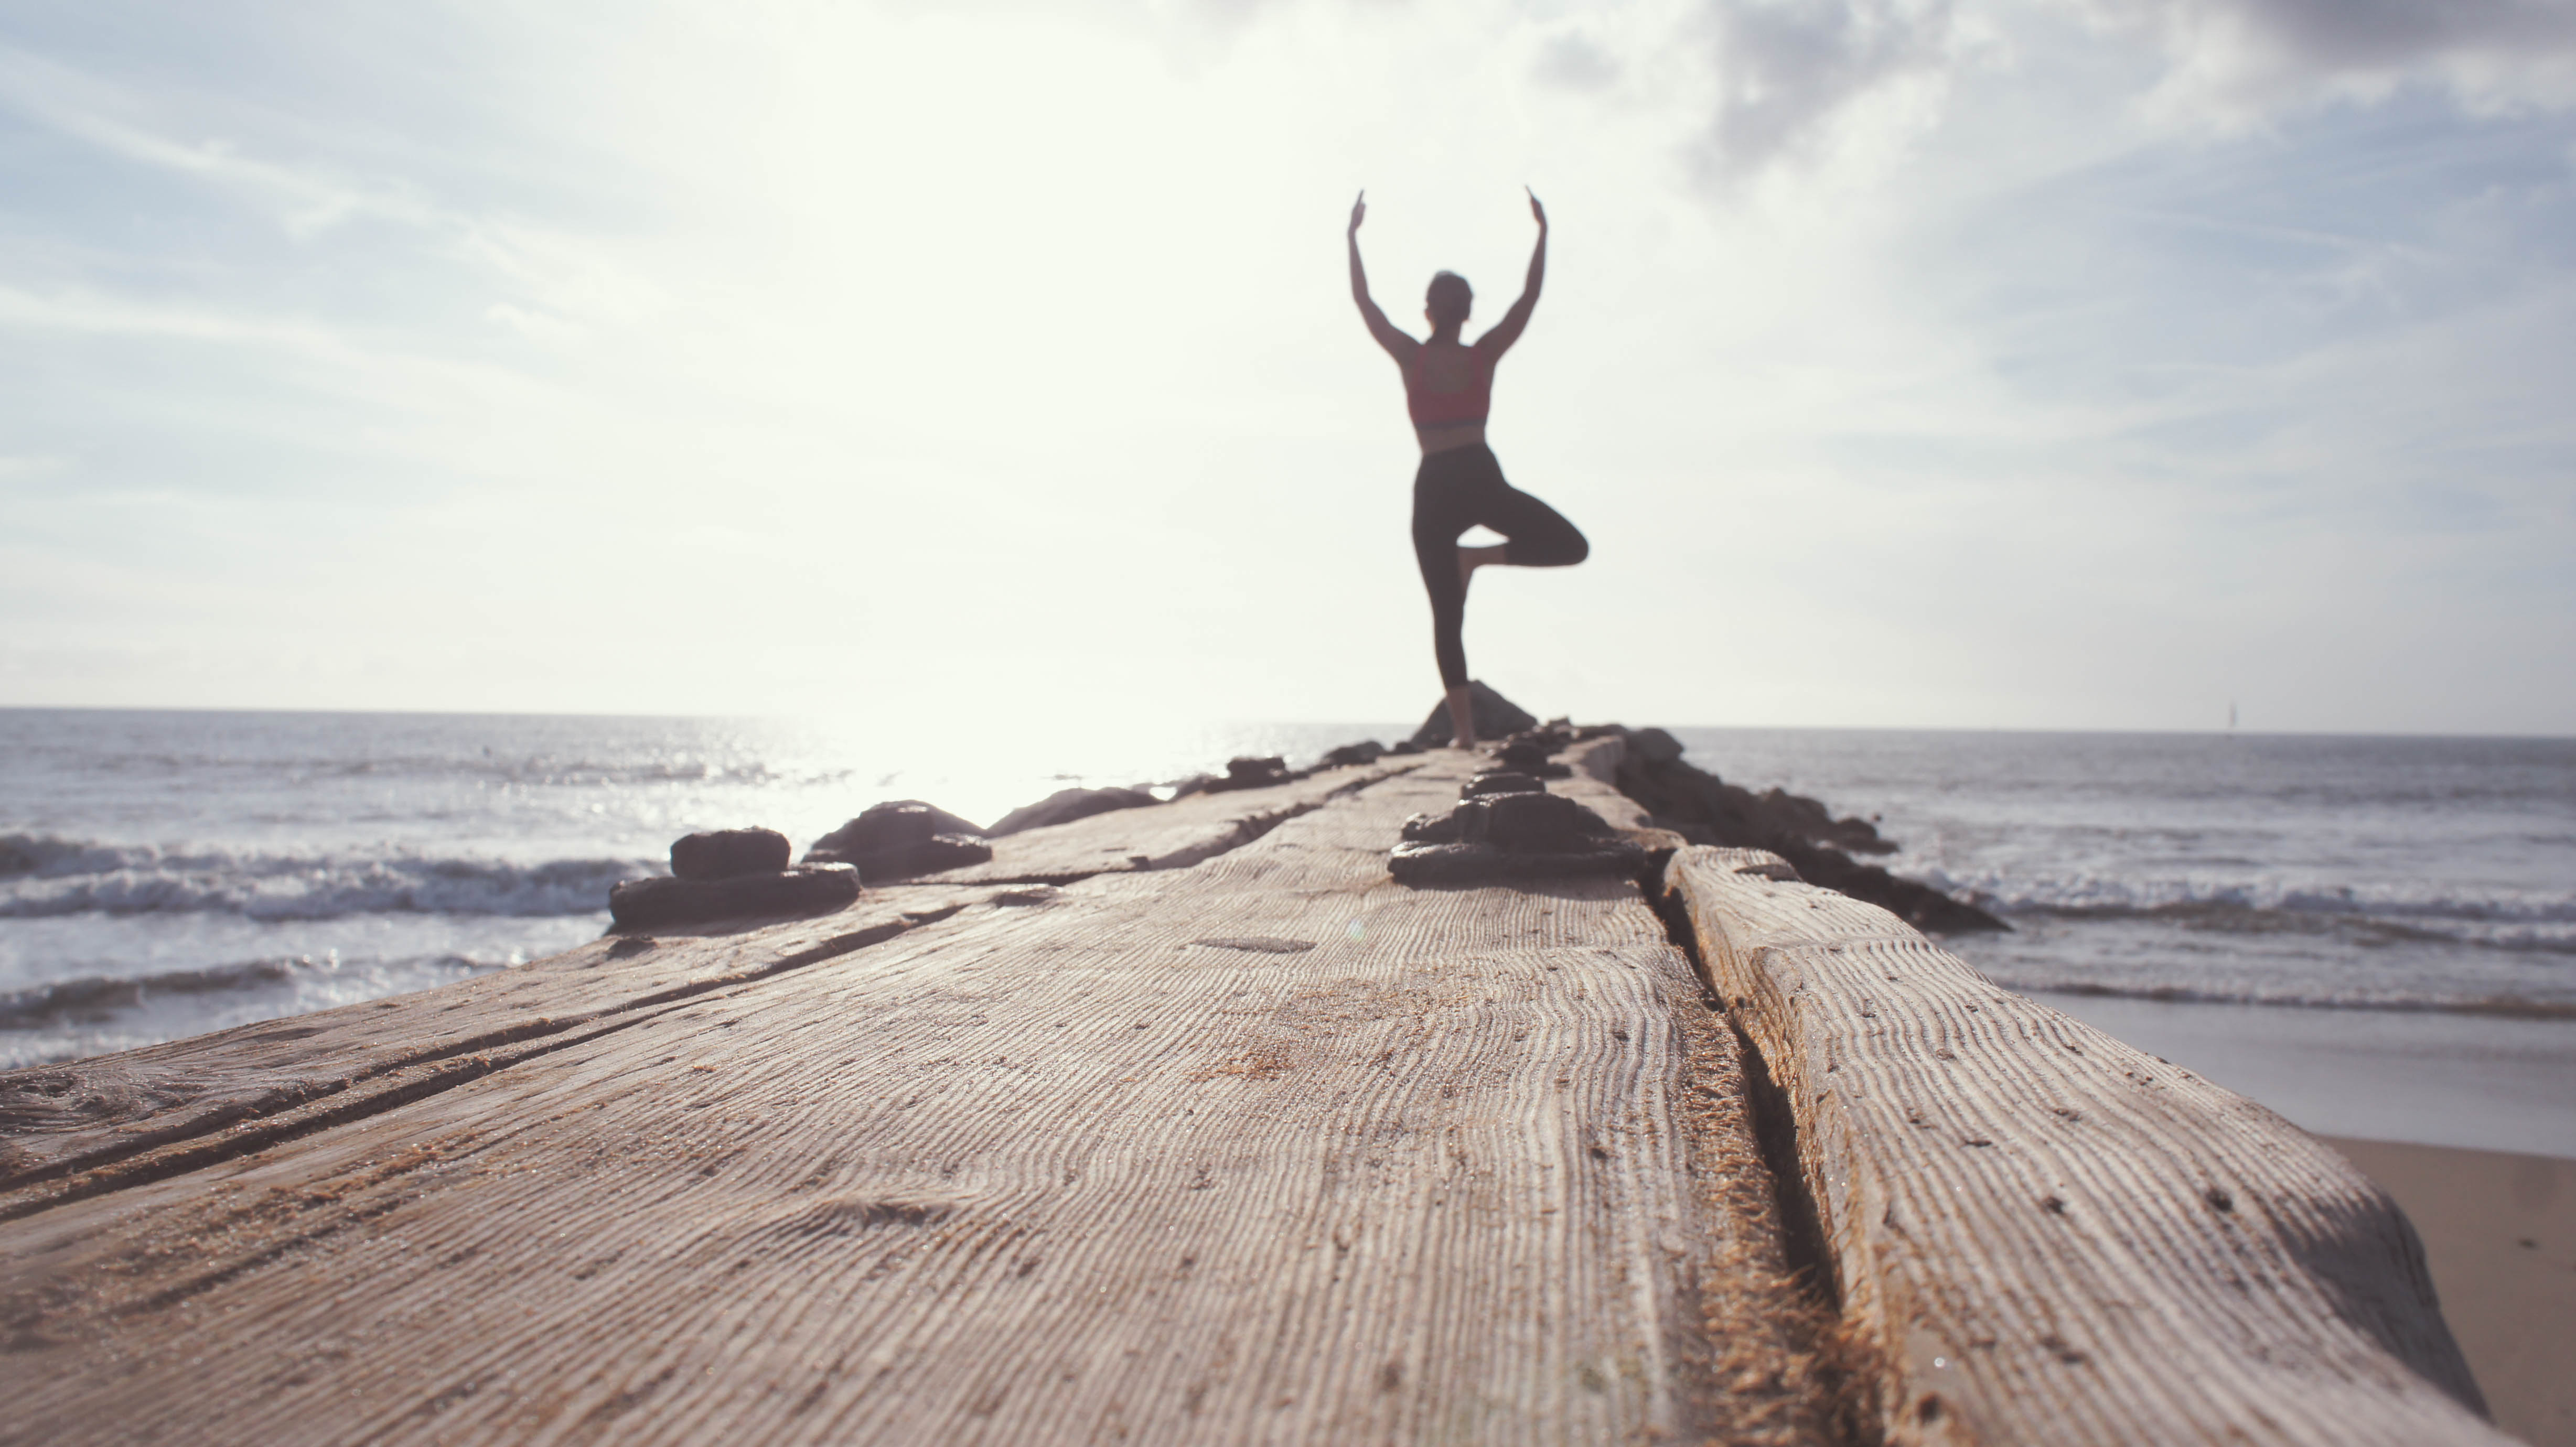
x: 222, y: 1093
x: 2049, y: 1236
x: 1176, y: 835
x: 1120, y: 1161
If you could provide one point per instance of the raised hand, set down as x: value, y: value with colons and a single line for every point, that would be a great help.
x: 1359, y: 210
x: 1537, y: 212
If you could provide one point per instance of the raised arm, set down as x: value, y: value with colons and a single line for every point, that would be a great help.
x: 1508, y: 330
x: 1398, y: 345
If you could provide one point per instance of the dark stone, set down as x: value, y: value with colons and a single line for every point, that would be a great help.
x: 1244, y: 773
x: 1654, y: 746
x: 1250, y: 773
x: 1704, y: 809
x: 1367, y: 751
x: 1525, y: 754
x: 1549, y: 739
x: 1510, y: 834
x: 1501, y: 781
x: 1405, y: 746
x: 900, y: 839
x: 1857, y: 835
x: 724, y: 853
x: 1496, y: 717
x: 1066, y: 805
x: 804, y: 890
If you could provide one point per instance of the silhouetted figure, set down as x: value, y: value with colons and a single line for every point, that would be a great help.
x: 1448, y: 387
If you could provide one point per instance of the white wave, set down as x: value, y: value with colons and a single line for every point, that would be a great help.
x: 2514, y: 1006
x: 41, y: 877
x: 2410, y: 902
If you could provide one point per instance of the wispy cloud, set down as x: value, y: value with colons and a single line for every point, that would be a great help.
x: 304, y: 201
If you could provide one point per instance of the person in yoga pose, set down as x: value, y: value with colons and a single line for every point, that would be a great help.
x: 1447, y: 387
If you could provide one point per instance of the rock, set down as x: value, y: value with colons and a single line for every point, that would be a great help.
x: 1066, y: 805
x: 900, y: 839
x: 1367, y: 751
x: 1501, y: 781
x: 1704, y: 809
x: 1496, y: 717
x: 1856, y: 835
x: 1249, y: 773
x: 1529, y: 756
x: 1549, y: 739
x: 724, y: 853
x: 804, y: 890
x: 1254, y: 773
x: 1509, y: 827
x: 1654, y: 746
x: 1403, y: 747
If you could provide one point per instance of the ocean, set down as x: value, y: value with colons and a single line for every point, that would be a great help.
x: 166, y: 873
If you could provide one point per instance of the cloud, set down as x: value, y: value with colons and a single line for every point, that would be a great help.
x: 305, y: 203
x: 2243, y: 57
x: 1788, y: 71
x: 1793, y: 77
x: 1576, y: 61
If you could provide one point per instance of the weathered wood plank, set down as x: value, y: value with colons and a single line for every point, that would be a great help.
x: 228, y: 1091
x: 1268, y: 1149
x: 1176, y: 835
x: 2049, y: 1236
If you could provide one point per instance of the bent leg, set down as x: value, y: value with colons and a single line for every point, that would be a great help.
x: 1537, y: 536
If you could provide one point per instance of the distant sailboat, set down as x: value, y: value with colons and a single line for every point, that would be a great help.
x: 2231, y: 715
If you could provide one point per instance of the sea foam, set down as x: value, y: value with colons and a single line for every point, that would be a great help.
x: 43, y: 876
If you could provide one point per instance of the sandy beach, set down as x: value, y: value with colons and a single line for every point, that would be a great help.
x: 2479, y: 1082
x: 2500, y: 1231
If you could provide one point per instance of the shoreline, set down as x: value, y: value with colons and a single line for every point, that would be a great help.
x: 2426, y: 1078
x: 2499, y: 1232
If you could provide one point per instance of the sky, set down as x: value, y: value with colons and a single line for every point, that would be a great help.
x: 2082, y: 364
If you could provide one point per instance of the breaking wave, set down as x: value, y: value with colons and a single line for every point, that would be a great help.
x: 2497, y: 918
x: 2513, y: 1007
x: 98, y: 997
x: 44, y: 876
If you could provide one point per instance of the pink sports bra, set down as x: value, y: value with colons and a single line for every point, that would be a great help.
x: 1450, y: 409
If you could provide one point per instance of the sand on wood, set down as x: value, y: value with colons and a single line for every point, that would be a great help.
x: 1270, y: 1148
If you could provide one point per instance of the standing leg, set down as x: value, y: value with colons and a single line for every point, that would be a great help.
x: 1535, y: 536
x: 1437, y: 522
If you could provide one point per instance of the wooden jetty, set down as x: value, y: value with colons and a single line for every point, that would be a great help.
x: 1188, y: 1124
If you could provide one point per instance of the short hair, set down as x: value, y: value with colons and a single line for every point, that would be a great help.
x: 1449, y: 298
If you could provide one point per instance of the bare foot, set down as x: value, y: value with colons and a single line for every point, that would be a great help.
x: 1462, y: 718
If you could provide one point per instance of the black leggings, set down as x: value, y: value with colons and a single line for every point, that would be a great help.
x: 1463, y: 488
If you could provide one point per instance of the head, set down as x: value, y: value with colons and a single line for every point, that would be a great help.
x: 1448, y: 301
